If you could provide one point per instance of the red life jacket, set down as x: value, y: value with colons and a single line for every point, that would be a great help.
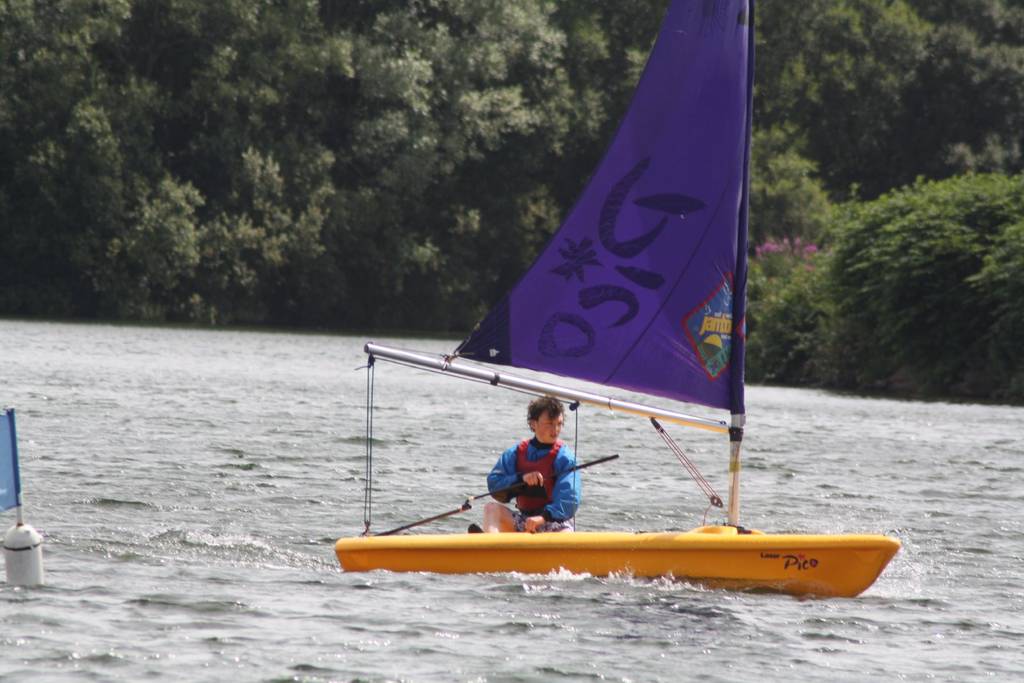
x: 546, y: 467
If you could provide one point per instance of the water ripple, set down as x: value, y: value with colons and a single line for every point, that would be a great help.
x: 191, y: 484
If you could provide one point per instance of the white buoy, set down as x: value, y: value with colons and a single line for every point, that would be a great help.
x: 23, y: 546
x: 23, y: 556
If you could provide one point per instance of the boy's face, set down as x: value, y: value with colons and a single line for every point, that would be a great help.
x: 547, y: 428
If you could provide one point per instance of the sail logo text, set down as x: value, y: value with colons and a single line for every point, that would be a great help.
x: 716, y: 323
x: 800, y: 562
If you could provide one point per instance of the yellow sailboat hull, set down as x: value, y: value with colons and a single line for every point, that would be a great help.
x: 717, y: 556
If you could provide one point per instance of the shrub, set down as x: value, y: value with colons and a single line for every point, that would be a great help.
x: 787, y: 310
x: 918, y: 277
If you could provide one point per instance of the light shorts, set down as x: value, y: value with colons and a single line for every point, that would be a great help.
x: 520, y: 521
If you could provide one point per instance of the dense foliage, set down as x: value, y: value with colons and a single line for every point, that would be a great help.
x: 397, y: 164
x: 921, y: 291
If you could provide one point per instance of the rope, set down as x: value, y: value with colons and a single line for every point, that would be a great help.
x: 368, y: 477
x: 574, y: 407
x: 702, y: 483
x: 704, y: 521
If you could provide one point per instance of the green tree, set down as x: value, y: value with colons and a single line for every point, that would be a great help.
x: 837, y: 71
x: 459, y: 105
x: 881, y: 92
x: 964, y: 109
x: 244, y: 120
x: 993, y: 21
x: 787, y: 199
x: 63, y: 173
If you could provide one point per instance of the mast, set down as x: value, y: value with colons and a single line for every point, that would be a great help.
x: 739, y: 312
x: 735, y: 441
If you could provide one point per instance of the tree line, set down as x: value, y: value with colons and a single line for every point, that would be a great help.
x: 396, y: 164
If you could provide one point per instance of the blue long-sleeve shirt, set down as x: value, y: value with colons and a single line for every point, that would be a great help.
x: 565, y: 496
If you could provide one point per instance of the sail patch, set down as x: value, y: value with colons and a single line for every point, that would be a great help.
x: 709, y: 329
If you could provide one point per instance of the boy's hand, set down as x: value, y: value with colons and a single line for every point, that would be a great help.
x: 531, y: 524
x: 533, y: 479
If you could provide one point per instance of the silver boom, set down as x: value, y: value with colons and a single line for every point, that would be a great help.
x: 462, y: 368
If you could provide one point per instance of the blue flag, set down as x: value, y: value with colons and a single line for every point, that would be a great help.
x: 10, y: 484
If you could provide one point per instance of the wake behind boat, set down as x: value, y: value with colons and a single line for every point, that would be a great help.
x: 643, y: 287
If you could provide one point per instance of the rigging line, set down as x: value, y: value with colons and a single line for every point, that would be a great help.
x: 704, y: 522
x: 695, y: 474
x: 368, y: 477
x: 575, y: 408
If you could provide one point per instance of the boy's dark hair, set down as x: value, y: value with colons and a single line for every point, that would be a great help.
x: 544, y: 405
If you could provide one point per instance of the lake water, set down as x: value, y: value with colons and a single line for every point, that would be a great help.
x: 190, y: 485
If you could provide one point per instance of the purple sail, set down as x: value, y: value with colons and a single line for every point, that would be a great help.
x: 644, y: 285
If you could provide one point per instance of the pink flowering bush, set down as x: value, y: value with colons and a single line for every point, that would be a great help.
x: 778, y: 257
x: 786, y: 312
